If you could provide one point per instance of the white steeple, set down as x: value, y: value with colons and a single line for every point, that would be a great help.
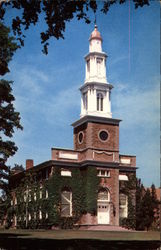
x: 95, y: 93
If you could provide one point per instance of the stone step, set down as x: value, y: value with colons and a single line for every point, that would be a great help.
x: 103, y: 228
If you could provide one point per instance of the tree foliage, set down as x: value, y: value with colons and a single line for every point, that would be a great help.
x: 147, y: 207
x: 7, y: 48
x: 143, y: 206
x: 55, y: 14
x: 9, y: 118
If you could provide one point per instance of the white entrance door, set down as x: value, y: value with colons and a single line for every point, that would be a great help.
x: 103, y: 213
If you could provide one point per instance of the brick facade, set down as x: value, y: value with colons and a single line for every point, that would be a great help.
x: 91, y: 136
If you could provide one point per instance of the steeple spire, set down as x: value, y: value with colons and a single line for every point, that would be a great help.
x: 95, y: 22
x: 96, y: 90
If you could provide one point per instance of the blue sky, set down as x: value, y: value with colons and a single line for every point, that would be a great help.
x: 47, y: 95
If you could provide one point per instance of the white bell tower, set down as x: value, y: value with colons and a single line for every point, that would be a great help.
x: 96, y: 91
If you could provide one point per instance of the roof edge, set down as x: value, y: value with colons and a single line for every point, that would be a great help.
x: 95, y: 119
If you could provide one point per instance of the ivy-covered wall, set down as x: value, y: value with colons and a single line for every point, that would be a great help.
x: 84, y: 185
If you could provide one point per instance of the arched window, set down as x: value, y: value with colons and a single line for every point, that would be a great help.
x: 103, y: 195
x: 99, y: 102
x: 123, y: 206
x: 66, y: 203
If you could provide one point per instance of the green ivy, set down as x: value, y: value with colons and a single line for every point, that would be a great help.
x: 129, y: 188
x: 91, y: 186
x: 83, y: 184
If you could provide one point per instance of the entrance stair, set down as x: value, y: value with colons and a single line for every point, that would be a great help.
x: 104, y: 228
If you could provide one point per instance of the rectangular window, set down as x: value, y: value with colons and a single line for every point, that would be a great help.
x: 66, y: 173
x: 123, y: 206
x: 34, y: 196
x: 103, y: 173
x: 15, y: 200
x: 34, y: 215
x: 29, y: 217
x: 66, y: 204
x: 40, y: 194
x: 40, y: 214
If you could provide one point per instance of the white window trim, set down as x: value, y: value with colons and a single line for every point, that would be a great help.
x: 40, y: 194
x: 35, y: 197
x: 123, y: 177
x: 104, y: 200
x: 29, y: 216
x: 125, y: 207
x: 34, y: 215
x: 40, y: 214
x: 66, y: 173
x: 15, y: 200
x: 107, y: 173
x: 46, y: 194
x: 70, y: 204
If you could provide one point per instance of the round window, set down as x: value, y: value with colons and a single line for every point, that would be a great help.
x: 103, y: 135
x: 80, y: 137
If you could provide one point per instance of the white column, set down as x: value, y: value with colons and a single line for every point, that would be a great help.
x: 89, y: 100
x: 82, y: 105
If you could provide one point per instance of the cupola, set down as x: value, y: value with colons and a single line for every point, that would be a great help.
x: 95, y: 41
x: 95, y: 34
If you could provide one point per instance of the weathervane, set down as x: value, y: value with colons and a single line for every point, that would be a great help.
x: 95, y: 21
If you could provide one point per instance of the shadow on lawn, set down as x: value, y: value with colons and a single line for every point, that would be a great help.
x: 47, y: 244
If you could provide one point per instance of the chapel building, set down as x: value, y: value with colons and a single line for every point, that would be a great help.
x: 96, y: 147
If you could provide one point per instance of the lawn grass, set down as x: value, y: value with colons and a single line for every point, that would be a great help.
x: 78, y: 240
x: 81, y: 234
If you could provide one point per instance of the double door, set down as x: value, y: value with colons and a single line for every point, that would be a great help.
x: 103, y: 213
